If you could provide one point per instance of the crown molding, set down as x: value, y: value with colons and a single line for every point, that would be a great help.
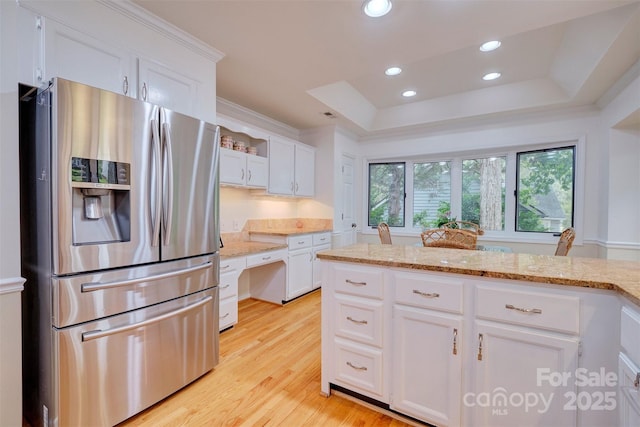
x: 144, y: 17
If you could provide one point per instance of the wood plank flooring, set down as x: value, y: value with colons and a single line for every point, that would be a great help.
x: 268, y: 375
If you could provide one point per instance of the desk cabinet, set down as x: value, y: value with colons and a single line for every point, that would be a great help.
x: 230, y: 270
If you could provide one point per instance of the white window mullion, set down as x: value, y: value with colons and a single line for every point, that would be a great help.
x: 510, y: 195
x: 456, y: 188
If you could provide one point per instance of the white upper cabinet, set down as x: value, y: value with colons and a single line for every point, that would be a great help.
x: 76, y: 56
x: 240, y: 168
x: 305, y: 158
x: 291, y: 168
x: 119, y: 47
x: 167, y: 87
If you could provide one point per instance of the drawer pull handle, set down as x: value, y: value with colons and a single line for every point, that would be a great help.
x: 351, y: 282
x: 265, y: 258
x: 524, y: 310
x: 480, y: 339
x: 226, y: 315
x: 357, y: 368
x: 224, y: 267
x: 360, y: 322
x: 455, y: 341
x: 224, y: 286
x: 301, y: 242
x: 426, y: 295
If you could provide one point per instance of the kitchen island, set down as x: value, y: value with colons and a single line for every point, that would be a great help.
x: 454, y: 337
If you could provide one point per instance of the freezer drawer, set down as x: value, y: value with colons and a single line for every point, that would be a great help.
x: 88, y: 297
x: 112, y: 369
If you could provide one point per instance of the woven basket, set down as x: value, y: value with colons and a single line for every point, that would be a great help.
x: 449, y: 238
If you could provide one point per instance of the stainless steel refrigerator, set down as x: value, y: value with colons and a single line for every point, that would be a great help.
x: 120, y: 242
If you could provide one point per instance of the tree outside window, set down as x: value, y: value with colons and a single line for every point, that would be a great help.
x: 483, y: 192
x: 545, y: 190
x: 386, y: 193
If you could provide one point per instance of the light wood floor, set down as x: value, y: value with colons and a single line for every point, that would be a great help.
x: 269, y: 374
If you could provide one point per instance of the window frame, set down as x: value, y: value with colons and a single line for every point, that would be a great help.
x: 404, y: 196
x: 509, y: 234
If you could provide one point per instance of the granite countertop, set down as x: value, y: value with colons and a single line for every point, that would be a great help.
x: 620, y: 276
x: 289, y: 231
x: 240, y: 248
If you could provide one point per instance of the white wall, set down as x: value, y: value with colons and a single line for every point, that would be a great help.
x: 10, y: 280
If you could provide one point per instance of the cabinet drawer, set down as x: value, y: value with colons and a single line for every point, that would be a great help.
x: 228, y: 284
x: 535, y: 309
x: 266, y: 258
x: 365, y: 282
x: 321, y: 239
x: 300, y: 242
x: 630, y: 333
x: 359, y: 320
x: 421, y: 290
x: 230, y: 264
x: 228, y: 312
x: 359, y: 367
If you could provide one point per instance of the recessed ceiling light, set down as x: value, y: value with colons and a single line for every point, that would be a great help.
x: 393, y: 71
x: 377, y: 8
x: 489, y: 46
x: 409, y: 93
x: 491, y: 76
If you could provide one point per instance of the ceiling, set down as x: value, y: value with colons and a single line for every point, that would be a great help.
x: 294, y: 60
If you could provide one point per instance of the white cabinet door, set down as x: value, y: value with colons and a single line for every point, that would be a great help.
x: 427, y: 361
x: 232, y: 167
x: 76, y: 56
x: 167, y: 87
x: 629, y: 392
x: 317, y: 270
x: 513, y: 363
x: 304, y: 171
x: 281, y: 164
x: 257, y: 171
x: 300, y: 269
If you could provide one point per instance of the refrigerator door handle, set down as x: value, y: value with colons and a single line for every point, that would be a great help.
x: 157, y: 161
x: 93, y: 335
x: 168, y: 207
x: 99, y: 286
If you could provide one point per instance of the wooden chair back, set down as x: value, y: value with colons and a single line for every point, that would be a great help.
x: 383, y: 232
x: 449, y: 238
x: 464, y: 225
x: 565, y: 242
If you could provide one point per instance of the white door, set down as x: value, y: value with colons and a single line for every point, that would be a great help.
x: 511, y: 363
x: 305, y: 171
x: 427, y: 360
x: 347, y: 216
x: 629, y: 392
x: 80, y: 58
x: 166, y: 87
x: 300, y: 268
x: 256, y: 171
x: 232, y: 167
x: 281, y: 161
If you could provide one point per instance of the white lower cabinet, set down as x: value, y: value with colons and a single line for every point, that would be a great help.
x: 300, y: 272
x: 427, y: 361
x: 629, y: 368
x: 514, y: 377
x: 474, y: 351
x: 230, y: 270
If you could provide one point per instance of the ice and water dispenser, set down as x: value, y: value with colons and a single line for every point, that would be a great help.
x: 101, y: 201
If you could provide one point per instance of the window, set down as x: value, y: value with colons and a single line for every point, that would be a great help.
x: 545, y: 190
x: 507, y: 193
x: 483, y: 192
x: 386, y: 194
x: 431, y: 193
